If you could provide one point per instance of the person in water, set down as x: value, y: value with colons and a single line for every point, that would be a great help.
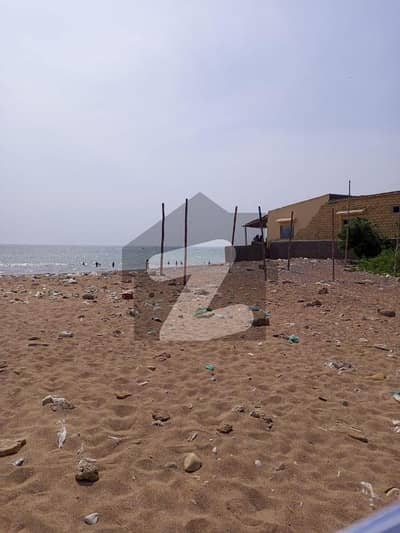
x: 113, y: 264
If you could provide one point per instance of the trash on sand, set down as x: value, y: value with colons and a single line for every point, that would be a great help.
x: 62, y: 434
x: 396, y: 426
x: 396, y: 396
x: 392, y: 490
x: 366, y: 488
x: 91, y: 519
x: 203, y: 312
x: 19, y: 462
x: 65, y: 335
x: 117, y: 440
x: 210, y: 367
x: 258, y: 463
x: 341, y: 366
x: 293, y: 339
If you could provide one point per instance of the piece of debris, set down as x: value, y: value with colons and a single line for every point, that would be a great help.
x: 127, y: 295
x: 192, y: 463
x: 341, y: 366
x: 258, y: 463
x: 393, y: 491
x: 203, y: 312
x: 164, y: 356
x: 314, y: 303
x: 10, y: 446
x: 356, y: 435
x: 387, y: 312
x: 171, y: 466
x: 65, y: 335
x: 225, y: 428
x: 116, y: 440
x: 56, y: 403
x: 396, y: 396
x: 379, y: 376
x: 239, y: 409
x: 323, y: 290
x: 366, y: 488
x: 210, y: 367
x: 122, y: 395
x: 43, y: 344
x: 61, y: 434
x: 19, y: 462
x: 162, y: 417
x: 260, y: 319
x: 87, y: 471
x: 382, y: 347
x: 396, y: 426
x: 293, y: 339
x: 91, y: 519
x: 88, y: 296
x: 214, y: 450
x: 192, y: 437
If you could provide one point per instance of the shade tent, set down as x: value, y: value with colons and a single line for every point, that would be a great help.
x: 254, y: 224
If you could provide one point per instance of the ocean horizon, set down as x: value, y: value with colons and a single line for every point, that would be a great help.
x: 26, y: 259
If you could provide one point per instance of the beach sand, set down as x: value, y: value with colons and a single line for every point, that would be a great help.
x: 297, y: 465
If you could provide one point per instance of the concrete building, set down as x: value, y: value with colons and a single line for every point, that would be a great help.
x: 312, y: 219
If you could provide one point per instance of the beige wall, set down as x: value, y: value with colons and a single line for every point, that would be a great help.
x: 377, y: 208
x: 303, y: 214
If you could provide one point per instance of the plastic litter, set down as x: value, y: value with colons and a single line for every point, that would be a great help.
x: 62, y: 434
x: 202, y: 312
x: 293, y: 339
x: 210, y: 367
x: 91, y: 519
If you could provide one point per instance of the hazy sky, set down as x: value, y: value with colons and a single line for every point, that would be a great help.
x: 109, y: 107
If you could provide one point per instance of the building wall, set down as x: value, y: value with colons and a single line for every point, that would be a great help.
x: 304, y: 212
x: 377, y: 208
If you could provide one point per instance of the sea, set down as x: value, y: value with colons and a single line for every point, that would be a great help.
x: 18, y: 259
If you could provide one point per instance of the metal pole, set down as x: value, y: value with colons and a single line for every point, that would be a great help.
x: 346, y: 248
x: 333, y: 244
x: 162, y: 239
x: 185, y: 246
x: 234, y: 226
x: 290, y: 240
x: 245, y: 235
x: 262, y: 243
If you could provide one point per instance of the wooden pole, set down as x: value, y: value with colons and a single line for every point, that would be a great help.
x: 234, y: 226
x: 346, y: 248
x: 185, y: 245
x: 396, y: 251
x: 262, y: 243
x: 245, y: 235
x: 289, y: 249
x: 162, y: 239
x: 333, y: 244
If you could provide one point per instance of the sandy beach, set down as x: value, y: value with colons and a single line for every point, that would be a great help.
x: 289, y: 434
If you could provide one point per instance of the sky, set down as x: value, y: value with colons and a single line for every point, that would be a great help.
x: 110, y: 107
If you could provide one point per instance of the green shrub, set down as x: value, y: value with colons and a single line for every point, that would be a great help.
x: 384, y: 263
x: 364, y: 239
